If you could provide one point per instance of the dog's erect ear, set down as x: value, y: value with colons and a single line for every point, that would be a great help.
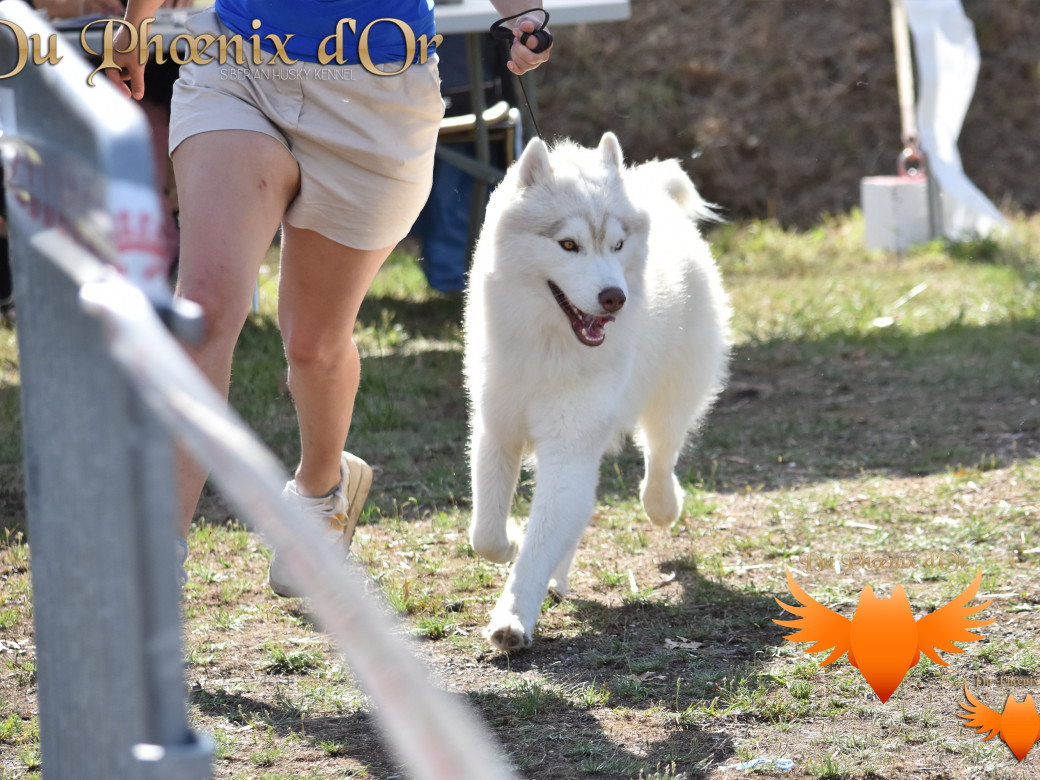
x: 610, y: 148
x: 534, y: 163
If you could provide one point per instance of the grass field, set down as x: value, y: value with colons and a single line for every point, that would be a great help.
x: 879, y: 407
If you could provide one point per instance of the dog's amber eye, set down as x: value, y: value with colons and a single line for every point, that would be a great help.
x: 569, y: 245
x: 618, y: 245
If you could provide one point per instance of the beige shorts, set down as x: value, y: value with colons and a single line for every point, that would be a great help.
x: 364, y: 143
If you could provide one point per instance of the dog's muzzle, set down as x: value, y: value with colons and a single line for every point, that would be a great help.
x: 589, y: 327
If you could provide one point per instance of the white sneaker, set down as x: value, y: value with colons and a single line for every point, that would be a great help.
x: 340, y: 511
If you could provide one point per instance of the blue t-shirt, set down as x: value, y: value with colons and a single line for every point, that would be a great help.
x: 311, y: 21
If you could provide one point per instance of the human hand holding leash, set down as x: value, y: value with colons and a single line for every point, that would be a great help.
x: 129, y: 78
x: 531, y: 40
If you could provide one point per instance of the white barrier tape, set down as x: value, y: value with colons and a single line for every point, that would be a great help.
x: 948, y: 61
x: 436, y: 737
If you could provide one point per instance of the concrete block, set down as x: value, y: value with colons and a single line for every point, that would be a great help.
x: 895, y: 212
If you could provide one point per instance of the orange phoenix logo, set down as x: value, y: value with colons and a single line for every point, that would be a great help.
x: 883, y: 640
x: 1018, y: 725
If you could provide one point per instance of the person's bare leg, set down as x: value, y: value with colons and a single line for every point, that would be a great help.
x: 320, y: 290
x: 234, y: 188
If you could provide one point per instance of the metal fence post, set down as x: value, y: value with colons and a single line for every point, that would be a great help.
x: 99, y: 466
x: 105, y: 388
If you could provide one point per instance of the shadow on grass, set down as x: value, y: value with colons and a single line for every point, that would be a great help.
x: 12, y: 483
x: 437, y: 317
x: 568, y: 741
x: 793, y: 412
x: 641, y: 684
x: 639, y: 688
x: 352, y: 734
x: 903, y: 405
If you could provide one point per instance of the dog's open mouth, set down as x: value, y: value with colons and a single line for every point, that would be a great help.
x: 587, y: 327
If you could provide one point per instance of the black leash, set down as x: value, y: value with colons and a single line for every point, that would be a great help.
x: 542, y: 35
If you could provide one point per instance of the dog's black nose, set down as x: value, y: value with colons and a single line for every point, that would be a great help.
x: 612, y: 299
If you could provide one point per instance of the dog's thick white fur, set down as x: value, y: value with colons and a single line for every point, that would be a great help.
x: 594, y: 307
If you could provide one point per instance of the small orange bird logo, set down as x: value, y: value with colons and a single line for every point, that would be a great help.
x: 1018, y: 725
x: 883, y: 640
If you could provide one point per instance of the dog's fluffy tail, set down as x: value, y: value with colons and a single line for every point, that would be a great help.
x: 668, y: 176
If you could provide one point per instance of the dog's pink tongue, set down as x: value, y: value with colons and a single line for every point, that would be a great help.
x: 591, y: 331
x: 595, y: 324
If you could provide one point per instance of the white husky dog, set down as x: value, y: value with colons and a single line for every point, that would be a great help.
x: 593, y: 308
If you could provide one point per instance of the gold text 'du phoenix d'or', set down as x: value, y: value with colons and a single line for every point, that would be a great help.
x: 204, y: 49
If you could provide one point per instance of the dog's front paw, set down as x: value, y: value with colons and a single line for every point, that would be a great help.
x: 495, y: 552
x: 497, y: 547
x: 507, y: 634
x: 662, y: 500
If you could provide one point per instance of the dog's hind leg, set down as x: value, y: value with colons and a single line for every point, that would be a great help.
x: 660, y: 492
x: 495, y: 471
x: 564, y: 498
x: 558, y: 581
